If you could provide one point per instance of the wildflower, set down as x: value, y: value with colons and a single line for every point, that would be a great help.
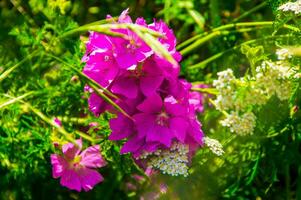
x: 283, y: 54
x: 214, y: 146
x: 241, y: 124
x: 273, y: 78
x: 173, y: 161
x: 225, y: 85
x: 294, y: 7
x: 146, y: 79
x: 162, y: 109
x: 57, y: 122
x: 161, y: 121
x: 75, y: 168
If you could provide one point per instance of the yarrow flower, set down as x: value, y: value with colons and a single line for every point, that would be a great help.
x: 294, y: 7
x: 162, y: 108
x: 214, y: 145
x: 283, y: 54
x: 273, y: 78
x: 241, y: 124
x: 172, y: 161
x: 76, y: 168
x: 239, y: 96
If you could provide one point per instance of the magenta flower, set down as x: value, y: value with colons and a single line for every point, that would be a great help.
x: 57, y: 122
x: 76, y: 169
x: 162, y: 107
x: 146, y: 78
x: 161, y: 121
x: 128, y: 52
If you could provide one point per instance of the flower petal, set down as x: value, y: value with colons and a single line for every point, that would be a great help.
x: 91, y: 157
x: 132, y: 145
x: 126, y: 86
x: 89, y: 178
x: 121, y: 127
x: 70, y: 150
x: 58, y: 165
x: 151, y: 104
x: 179, y: 127
x: 160, y: 134
x: 150, y: 84
x: 71, y: 180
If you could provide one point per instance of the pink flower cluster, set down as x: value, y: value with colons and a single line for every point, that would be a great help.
x: 162, y: 108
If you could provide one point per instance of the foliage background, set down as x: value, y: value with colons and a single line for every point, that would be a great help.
x: 265, y: 165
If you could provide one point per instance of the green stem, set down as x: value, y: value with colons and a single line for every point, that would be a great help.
x: 86, y: 136
x: 95, y: 86
x: 8, y: 71
x: 91, y: 81
x: 107, y: 29
x: 16, y: 99
x: 203, y: 64
x: 254, y: 9
x: 247, y: 24
x: 81, y: 121
x: 210, y: 36
x: 206, y: 90
x: 196, y: 38
x: 213, y: 103
x: 199, y: 42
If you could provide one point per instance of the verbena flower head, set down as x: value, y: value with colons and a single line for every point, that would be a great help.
x: 76, y: 168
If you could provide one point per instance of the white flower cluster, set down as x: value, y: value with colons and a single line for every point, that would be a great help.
x: 283, y: 54
x: 294, y: 7
x: 272, y: 78
x: 230, y: 96
x: 173, y: 161
x: 214, y: 145
x: 225, y: 85
x: 239, y: 96
x: 241, y: 124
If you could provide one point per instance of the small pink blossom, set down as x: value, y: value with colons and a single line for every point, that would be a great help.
x: 76, y: 168
x: 57, y: 122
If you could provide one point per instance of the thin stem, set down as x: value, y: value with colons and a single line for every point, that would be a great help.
x: 206, y: 90
x: 254, y: 9
x: 95, y: 86
x: 16, y: 99
x: 46, y: 119
x: 8, y: 71
x: 211, y: 35
x: 91, y: 81
x: 214, y: 104
x: 107, y: 29
x: 80, y: 121
x: 203, y: 64
x: 199, y: 42
x: 233, y: 25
